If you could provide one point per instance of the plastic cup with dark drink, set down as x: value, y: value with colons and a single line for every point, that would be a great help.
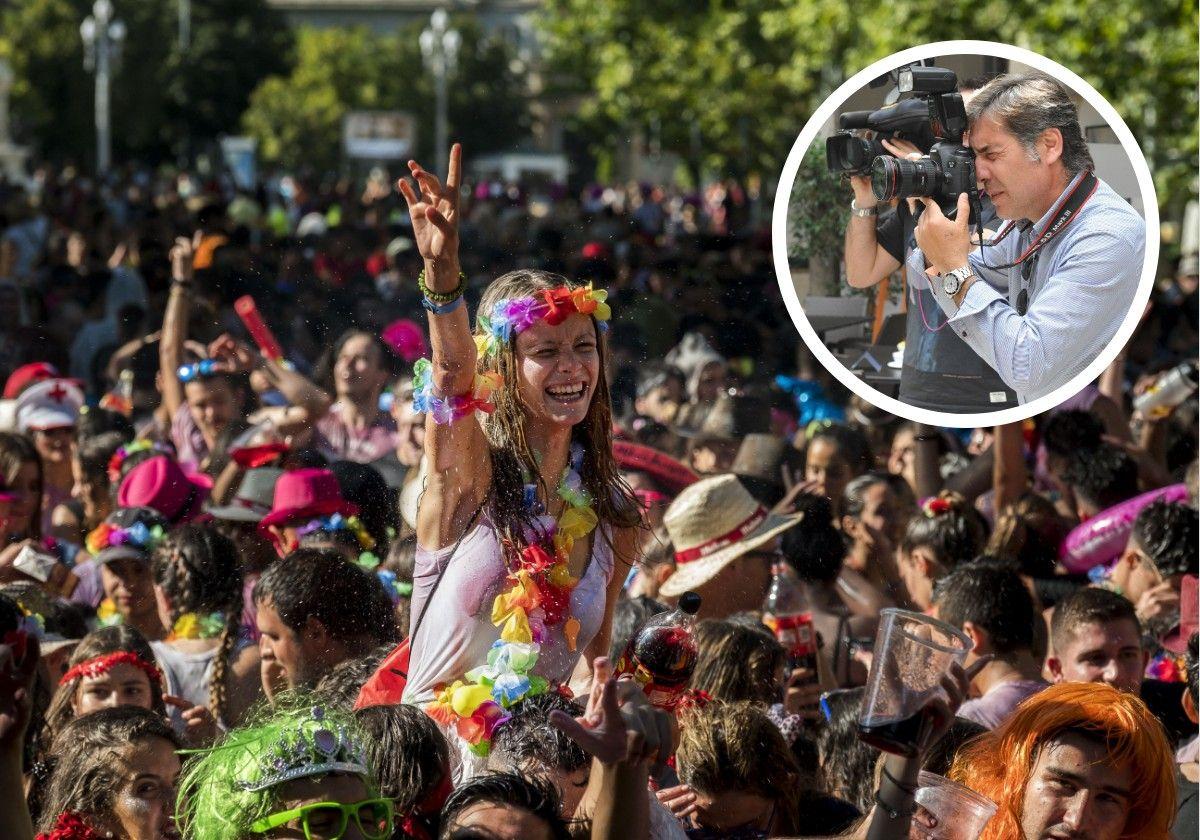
x: 958, y: 813
x: 662, y: 653
x: 912, y: 654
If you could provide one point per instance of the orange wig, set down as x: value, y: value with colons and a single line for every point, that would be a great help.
x: 999, y: 764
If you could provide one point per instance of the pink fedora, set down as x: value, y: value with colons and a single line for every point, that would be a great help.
x: 160, y: 483
x: 306, y: 494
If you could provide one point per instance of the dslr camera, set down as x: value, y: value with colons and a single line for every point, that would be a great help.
x: 934, y: 119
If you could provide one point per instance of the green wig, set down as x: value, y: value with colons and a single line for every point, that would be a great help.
x: 229, y: 787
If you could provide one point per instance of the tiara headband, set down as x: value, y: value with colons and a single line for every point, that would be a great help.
x: 512, y: 316
x: 312, y: 748
x: 98, y: 665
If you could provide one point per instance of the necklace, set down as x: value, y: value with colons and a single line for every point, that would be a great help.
x: 536, y: 598
x: 192, y: 625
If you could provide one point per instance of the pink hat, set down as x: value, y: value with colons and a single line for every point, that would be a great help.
x: 306, y: 494
x: 160, y: 483
x: 406, y: 338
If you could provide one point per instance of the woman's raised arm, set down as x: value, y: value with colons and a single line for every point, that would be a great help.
x: 446, y: 387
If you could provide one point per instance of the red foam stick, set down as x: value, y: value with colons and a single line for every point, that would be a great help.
x: 257, y: 327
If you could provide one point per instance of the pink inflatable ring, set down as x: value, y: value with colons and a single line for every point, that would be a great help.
x: 1103, y: 537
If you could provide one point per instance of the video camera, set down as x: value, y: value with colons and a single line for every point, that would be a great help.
x: 934, y: 120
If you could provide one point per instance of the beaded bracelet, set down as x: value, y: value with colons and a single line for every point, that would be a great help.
x: 442, y: 297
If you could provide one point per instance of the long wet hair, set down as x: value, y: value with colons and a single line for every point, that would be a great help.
x: 511, y: 455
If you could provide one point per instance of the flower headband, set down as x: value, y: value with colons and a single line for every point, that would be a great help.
x: 337, y: 522
x: 98, y: 665
x: 134, y: 446
x: 138, y: 534
x: 512, y: 316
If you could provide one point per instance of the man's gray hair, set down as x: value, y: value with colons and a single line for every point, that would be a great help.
x: 1026, y: 104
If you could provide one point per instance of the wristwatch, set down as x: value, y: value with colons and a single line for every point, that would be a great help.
x: 862, y: 212
x: 952, y: 281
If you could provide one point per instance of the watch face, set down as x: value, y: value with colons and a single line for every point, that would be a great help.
x: 951, y: 283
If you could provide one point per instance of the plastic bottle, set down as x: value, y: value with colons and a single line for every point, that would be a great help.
x: 1169, y: 390
x: 662, y: 653
x: 788, y: 614
x: 120, y: 398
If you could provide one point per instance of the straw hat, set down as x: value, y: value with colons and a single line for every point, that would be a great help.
x: 711, y: 524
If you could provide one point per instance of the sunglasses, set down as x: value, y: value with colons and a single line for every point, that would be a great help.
x: 328, y: 820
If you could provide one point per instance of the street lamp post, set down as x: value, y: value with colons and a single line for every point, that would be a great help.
x: 102, y: 37
x: 439, y: 46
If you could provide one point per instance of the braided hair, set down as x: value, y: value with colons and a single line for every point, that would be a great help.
x: 198, y: 569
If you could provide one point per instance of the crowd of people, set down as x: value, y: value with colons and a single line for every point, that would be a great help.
x: 377, y: 570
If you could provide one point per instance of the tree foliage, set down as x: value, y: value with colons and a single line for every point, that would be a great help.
x: 163, y: 98
x: 745, y: 76
x: 297, y: 118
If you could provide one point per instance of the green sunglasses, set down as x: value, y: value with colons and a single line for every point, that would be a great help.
x: 328, y: 820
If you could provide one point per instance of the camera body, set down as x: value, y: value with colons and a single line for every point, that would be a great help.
x: 934, y: 119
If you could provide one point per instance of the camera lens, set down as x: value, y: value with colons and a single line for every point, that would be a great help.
x: 901, y: 178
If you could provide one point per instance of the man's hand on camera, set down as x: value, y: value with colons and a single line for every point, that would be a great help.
x: 864, y: 197
x: 944, y: 242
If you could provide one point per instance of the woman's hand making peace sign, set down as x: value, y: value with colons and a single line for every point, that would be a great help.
x: 434, y: 214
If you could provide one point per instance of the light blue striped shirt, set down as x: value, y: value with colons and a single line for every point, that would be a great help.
x: 1082, y: 286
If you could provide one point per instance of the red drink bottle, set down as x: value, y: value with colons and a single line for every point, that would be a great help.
x: 662, y: 653
x: 789, y: 616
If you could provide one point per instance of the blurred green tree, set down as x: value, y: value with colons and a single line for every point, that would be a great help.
x: 297, y: 118
x: 164, y: 100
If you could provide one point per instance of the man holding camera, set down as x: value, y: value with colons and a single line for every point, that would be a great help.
x: 1042, y: 298
x: 940, y: 372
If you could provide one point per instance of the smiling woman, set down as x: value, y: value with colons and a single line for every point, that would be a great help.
x: 523, y: 514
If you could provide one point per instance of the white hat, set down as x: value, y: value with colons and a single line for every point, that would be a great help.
x: 49, y: 404
x: 711, y: 524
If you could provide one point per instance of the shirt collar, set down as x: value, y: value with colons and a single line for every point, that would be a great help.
x: 1037, y: 228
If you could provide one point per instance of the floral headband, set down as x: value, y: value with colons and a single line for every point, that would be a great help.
x: 512, y: 316
x: 134, y: 446
x: 98, y: 665
x: 138, y: 534
x: 337, y: 522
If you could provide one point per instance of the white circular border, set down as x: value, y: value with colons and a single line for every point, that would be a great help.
x: 783, y: 268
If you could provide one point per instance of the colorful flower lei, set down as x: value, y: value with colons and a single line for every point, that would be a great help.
x: 512, y: 316
x: 535, y: 598
x: 70, y: 826
x: 107, y: 614
x: 192, y: 625
x: 98, y: 665
x: 106, y: 535
x: 449, y: 409
x: 1167, y: 667
x: 396, y: 589
x: 337, y: 522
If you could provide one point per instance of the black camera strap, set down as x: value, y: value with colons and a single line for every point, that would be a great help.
x: 1067, y: 211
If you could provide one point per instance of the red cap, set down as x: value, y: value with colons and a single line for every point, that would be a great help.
x: 26, y: 375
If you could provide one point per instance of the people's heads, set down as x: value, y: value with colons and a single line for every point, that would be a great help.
x: 725, y: 544
x: 215, y: 402
x: 89, y: 467
x: 846, y: 759
x: 1101, y: 478
x: 340, y: 686
x: 530, y: 745
x: 1162, y: 548
x: 305, y: 500
x: 737, y: 661
x: 122, y: 546
x: 47, y: 412
x: 1097, y: 639
x: 1074, y: 761
x: 661, y: 389
x: 159, y: 482
x: 992, y: 606
x: 117, y: 770
x: 1028, y: 533
x: 267, y: 780
x: 871, y: 514
x: 945, y: 532
x: 21, y: 470
x: 411, y: 760
x: 834, y: 456
x: 1068, y: 432
x: 364, y: 487
x: 410, y: 425
x: 316, y: 609
x: 814, y: 548
x: 504, y: 806
x: 1024, y: 129
x: 741, y: 769
x: 110, y: 667
x: 197, y: 578
x: 362, y: 366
